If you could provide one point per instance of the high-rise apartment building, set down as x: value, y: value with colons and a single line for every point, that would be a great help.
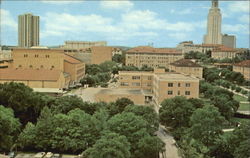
x: 28, y: 30
x: 213, y: 35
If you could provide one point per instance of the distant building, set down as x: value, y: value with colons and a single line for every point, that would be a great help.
x: 82, y: 44
x: 160, y: 85
x: 229, y: 41
x: 5, y: 59
x: 152, y: 57
x: 244, y: 68
x: 100, y: 54
x: 187, y: 47
x: 224, y: 52
x: 213, y: 35
x: 188, y: 67
x: 28, y: 30
x: 43, y: 68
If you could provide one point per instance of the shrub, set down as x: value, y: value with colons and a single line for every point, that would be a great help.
x: 238, y: 89
x: 244, y: 92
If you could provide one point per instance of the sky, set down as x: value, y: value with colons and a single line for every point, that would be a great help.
x: 124, y: 22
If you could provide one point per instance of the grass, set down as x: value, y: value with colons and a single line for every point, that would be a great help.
x: 239, y: 98
x: 244, y: 107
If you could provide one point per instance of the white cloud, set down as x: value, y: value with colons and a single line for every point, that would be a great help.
x: 244, y: 18
x: 7, y: 19
x: 240, y: 6
x: 181, y: 12
x: 240, y: 28
x: 61, y: 2
x: 117, y: 4
x: 136, y: 23
x: 179, y: 36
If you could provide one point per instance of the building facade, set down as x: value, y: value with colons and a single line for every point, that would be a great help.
x: 152, y: 57
x: 28, y: 30
x: 35, y: 66
x: 187, y: 47
x: 213, y: 35
x: 229, y: 41
x: 244, y: 68
x: 188, y: 67
x: 83, y: 44
x: 100, y: 54
x: 160, y: 85
x: 224, y: 52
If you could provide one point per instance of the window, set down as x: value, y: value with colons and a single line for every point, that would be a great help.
x: 179, y: 93
x: 149, y: 77
x: 19, y: 65
x: 124, y: 84
x: 36, y: 56
x: 170, y: 84
x: 31, y: 66
x: 187, y: 84
x: 170, y: 92
x: 179, y: 84
x: 187, y: 92
x: 41, y: 66
x: 46, y: 56
x: 135, y: 84
x: 135, y: 77
x: 25, y: 55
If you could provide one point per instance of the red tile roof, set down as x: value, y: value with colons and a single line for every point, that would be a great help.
x: 148, y: 49
x: 29, y: 74
x: 185, y: 63
x: 245, y: 63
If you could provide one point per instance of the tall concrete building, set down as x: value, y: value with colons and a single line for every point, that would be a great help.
x: 28, y: 30
x: 213, y: 35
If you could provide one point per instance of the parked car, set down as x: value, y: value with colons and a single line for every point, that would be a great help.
x: 49, y: 155
x: 56, y: 156
x: 11, y: 154
x: 40, y: 155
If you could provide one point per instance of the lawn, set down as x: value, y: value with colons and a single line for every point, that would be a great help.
x: 244, y: 107
x: 239, y: 98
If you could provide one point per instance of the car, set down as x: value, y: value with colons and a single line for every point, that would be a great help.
x: 11, y: 154
x: 40, y: 155
x: 49, y: 155
x: 56, y: 156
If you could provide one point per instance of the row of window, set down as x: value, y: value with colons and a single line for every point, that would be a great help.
x: 179, y: 93
x: 179, y: 84
x: 36, y: 56
x: 31, y: 66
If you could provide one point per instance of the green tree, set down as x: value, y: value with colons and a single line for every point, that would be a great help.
x: 9, y: 128
x: 175, y: 112
x: 206, y: 125
x: 111, y: 145
x: 25, y: 103
x: 226, y: 106
x: 149, y: 147
x: 240, y: 140
x: 132, y: 126
x: 147, y: 113
x: 119, y: 105
x: 27, y: 139
x: 119, y: 58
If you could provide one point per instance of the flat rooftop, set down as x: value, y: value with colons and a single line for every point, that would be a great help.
x: 176, y: 76
x: 118, y: 91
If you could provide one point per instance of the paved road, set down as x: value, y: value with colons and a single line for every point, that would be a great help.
x: 171, y: 150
